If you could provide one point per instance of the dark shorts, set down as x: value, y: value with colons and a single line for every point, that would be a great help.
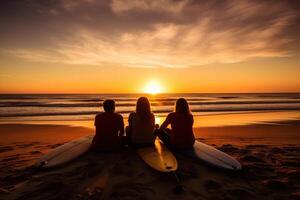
x: 165, y: 137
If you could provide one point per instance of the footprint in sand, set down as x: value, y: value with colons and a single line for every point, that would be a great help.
x: 228, y: 148
x: 35, y: 152
x: 239, y: 194
x: 52, y: 146
x: 25, y: 145
x: 131, y: 190
x: 11, y: 158
x: 251, y: 158
x: 212, y: 185
x: 5, y: 149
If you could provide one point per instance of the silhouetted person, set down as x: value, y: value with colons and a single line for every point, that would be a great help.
x: 141, y: 124
x: 181, y: 135
x: 109, y: 128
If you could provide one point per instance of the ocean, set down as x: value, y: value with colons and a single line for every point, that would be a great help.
x: 83, y: 107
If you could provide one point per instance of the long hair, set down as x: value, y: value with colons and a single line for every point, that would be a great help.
x: 182, y: 106
x: 143, y: 109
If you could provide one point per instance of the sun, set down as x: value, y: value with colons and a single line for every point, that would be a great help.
x: 153, y: 87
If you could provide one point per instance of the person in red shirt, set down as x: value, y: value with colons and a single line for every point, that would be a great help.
x: 109, y: 128
x: 181, y: 135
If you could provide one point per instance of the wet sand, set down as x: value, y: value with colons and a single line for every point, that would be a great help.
x: 269, y: 153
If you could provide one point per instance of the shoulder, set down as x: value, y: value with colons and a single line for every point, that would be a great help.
x: 190, y: 117
x: 152, y: 116
x: 99, y: 115
x: 171, y: 115
x: 118, y: 115
x: 131, y: 115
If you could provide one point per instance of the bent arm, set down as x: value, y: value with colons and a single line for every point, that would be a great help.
x: 153, y: 121
x: 128, y: 130
x: 95, y: 123
x: 121, y: 126
x: 165, y: 123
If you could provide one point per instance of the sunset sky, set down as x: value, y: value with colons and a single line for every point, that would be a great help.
x: 117, y: 46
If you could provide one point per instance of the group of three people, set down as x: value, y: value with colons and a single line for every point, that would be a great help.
x: 141, y: 129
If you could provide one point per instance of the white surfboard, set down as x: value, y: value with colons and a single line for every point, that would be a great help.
x: 65, y: 152
x: 213, y: 156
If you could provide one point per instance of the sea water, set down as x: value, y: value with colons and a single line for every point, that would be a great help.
x: 83, y: 107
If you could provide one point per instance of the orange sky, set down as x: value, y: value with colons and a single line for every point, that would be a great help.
x: 120, y: 46
x: 254, y: 76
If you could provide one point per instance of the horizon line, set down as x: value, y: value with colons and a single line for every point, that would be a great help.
x: 109, y: 93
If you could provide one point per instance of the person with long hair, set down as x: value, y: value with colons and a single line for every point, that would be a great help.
x: 181, y: 135
x: 141, y: 124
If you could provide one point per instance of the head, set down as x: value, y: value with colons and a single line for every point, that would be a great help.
x: 109, y: 106
x: 143, y: 108
x: 182, y: 106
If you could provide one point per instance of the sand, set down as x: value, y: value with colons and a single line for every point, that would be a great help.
x: 271, y: 166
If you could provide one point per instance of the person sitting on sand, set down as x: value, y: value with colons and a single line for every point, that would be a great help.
x: 109, y: 128
x: 141, y: 124
x: 181, y: 135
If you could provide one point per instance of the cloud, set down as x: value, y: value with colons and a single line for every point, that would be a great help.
x: 170, y: 6
x: 71, y: 4
x: 200, y: 33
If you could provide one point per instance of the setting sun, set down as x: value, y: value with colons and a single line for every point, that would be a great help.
x: 153, y: 88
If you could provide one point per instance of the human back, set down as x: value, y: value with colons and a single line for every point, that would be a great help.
x: 109, y: 128
x: 181, y: 121
x: 182, y: 130
x: 141, y: 123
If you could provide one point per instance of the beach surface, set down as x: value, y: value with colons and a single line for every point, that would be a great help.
x: 268, y: 152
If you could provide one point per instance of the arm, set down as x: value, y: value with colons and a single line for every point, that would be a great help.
x: 128, y: 130
x: 165, y: 123
x: 95, y: 120
x: 121, y: 126
x: 95, y: 124
x: 153, y: 121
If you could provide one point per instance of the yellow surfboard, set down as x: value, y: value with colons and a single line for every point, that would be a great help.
x: 159, y: 157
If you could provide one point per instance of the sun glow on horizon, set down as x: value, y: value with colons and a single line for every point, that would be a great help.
x: 153, y: 88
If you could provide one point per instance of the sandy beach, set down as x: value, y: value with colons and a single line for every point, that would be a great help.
x: 271, y: 166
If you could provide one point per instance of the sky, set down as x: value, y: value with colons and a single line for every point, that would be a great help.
x: 120, y: 46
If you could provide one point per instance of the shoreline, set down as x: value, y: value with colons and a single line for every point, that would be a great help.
x: 216, y: 119
x: 51, y: 132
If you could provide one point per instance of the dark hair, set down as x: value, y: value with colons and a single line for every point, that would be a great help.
x: 143, y: 109
x: 182, y: 106
x: 109, y: 105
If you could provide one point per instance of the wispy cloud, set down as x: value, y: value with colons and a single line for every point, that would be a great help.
x: 169, y: 6
x: 200, y: 34
x: 71, y: 4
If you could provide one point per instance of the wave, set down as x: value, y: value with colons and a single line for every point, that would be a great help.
x: 158, y: 111
x: 156, y: 103
x: 76, y: 104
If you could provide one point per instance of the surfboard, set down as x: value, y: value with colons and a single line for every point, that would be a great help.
x: 213, y: 156
x: 65, y: 153
x: 158, y: 157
